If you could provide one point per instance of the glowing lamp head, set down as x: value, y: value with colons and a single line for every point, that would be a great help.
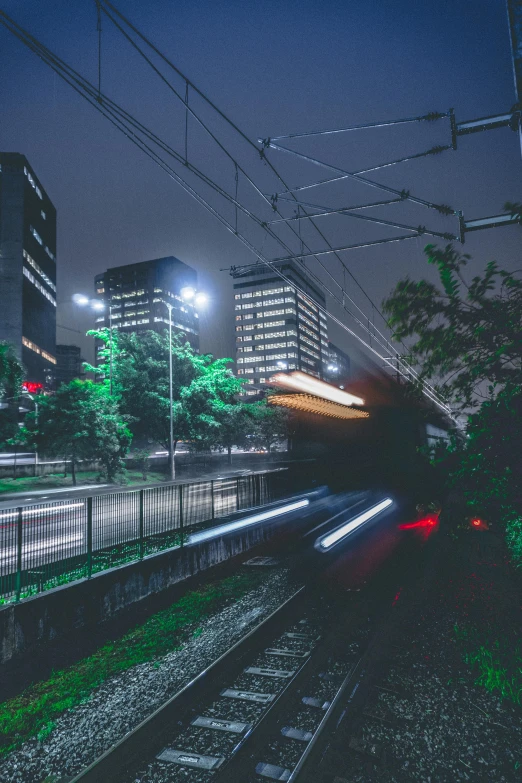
x: 97, y: 305
x: 81, y: 299
x: 187, y: 293
x: 200, y: 300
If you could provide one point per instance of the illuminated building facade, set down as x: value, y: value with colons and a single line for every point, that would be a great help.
x: 137, y: 293
x: 69, y: 364
x: 277, y: 327
x: 337, y: 368
x: 27, y: 268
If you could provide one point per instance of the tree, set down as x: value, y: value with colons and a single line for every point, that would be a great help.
x: 203, y: 387
x: 269, y: 424
x: 468, y: 337
x: 11, y: 375
x: 81, y: 421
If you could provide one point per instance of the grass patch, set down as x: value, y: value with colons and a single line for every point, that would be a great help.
x: 33, y: 712
x: 497, y: 664
x: 28, y: 484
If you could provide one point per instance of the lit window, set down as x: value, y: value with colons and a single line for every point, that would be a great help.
x: 50, y: 253
x: 42, y: 213
x: 30, y: 260
x: 33, y: 183
x: 36, y: 235
x: 33, y: 347
x: 37, y: 285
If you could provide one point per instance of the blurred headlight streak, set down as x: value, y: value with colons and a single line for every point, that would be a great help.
x: 240, y: 523
x: 330, y: 540
x: 305, y: 383
x: 31, y: 512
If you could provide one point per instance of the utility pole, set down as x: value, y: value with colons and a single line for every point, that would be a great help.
x: 514, y: 11
x: 172, y: 466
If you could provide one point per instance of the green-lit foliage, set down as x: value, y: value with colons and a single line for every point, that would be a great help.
x: 11, y: 375
x: 34, y: 711
x: 498, y: 668
x: 269, y: 424
x: 204, y: 388
x: 466, y: 337
x: 81, y: 421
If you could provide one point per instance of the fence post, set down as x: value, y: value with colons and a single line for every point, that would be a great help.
x: 141, y: 526
x: 181, y: 514
x: 212, y: 498
x: 237, y: 494
x: 19, y: 543
x: 89, y: 537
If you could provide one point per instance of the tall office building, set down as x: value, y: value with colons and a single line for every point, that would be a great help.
x: 137, y: 293
x: 27, y: 268
x: 338, y: 365
x: 69, y: 364
x: 277, y: 327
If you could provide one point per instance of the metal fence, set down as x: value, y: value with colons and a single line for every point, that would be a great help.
x: 45, y: 545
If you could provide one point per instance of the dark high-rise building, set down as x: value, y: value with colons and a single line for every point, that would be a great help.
x: 337, y: 368
x: 277, y: 327
x: 137, y: 295
x: 69, y: 364
x: 27, y: 268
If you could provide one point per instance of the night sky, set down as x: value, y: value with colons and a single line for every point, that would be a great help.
x: 274, y: 68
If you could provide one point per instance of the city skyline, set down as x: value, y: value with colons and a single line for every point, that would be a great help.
x: 114, y: 205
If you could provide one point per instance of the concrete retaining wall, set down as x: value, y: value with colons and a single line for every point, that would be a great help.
x: 57, y: 613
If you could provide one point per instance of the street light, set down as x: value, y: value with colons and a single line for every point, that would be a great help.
x: 98, y: 306
x: 333, y: 368
x: 188, y: 293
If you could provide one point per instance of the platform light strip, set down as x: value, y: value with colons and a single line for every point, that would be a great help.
x: 241, y: 523
x: 333, y: 538
x: 305, y: 383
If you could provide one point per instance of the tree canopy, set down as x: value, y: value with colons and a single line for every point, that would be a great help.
x: 81, y: 421
x: 468, y: 336
x: 204, y: 389
x: 11, y: 376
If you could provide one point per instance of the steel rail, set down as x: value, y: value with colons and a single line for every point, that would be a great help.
x: 150, y: 735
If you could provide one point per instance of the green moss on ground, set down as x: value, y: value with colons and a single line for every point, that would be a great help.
x: 57, y: 481
x: 33, y: 712
x: 497, y: 665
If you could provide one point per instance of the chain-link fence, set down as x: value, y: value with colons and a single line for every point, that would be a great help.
x: 45, y: 545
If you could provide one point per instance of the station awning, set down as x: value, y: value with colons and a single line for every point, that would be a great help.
x: 312, y: 404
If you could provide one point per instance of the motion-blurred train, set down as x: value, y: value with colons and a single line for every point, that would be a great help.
x: 372, y: 443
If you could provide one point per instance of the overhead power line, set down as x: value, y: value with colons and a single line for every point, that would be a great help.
x: 143, y: 137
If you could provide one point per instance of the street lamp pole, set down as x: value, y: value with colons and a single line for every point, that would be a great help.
x: 110, y: 349
x: 172, y: 466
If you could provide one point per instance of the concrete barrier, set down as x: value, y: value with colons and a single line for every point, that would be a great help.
x: 58, y: 613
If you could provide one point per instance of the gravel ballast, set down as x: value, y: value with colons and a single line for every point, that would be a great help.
x: 426, y: 719
x: 82, y: 734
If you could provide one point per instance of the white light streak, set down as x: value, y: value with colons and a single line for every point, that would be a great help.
x: 305, y: 383
x: 40, y: 510
x: 333, y: 538
x: 241, y: 523
x: 41, y: 547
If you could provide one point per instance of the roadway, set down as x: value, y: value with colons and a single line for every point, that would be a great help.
x: 58, y: 531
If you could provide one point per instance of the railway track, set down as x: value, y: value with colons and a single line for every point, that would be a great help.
x: 259, y: 711
x: 262, y: 710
